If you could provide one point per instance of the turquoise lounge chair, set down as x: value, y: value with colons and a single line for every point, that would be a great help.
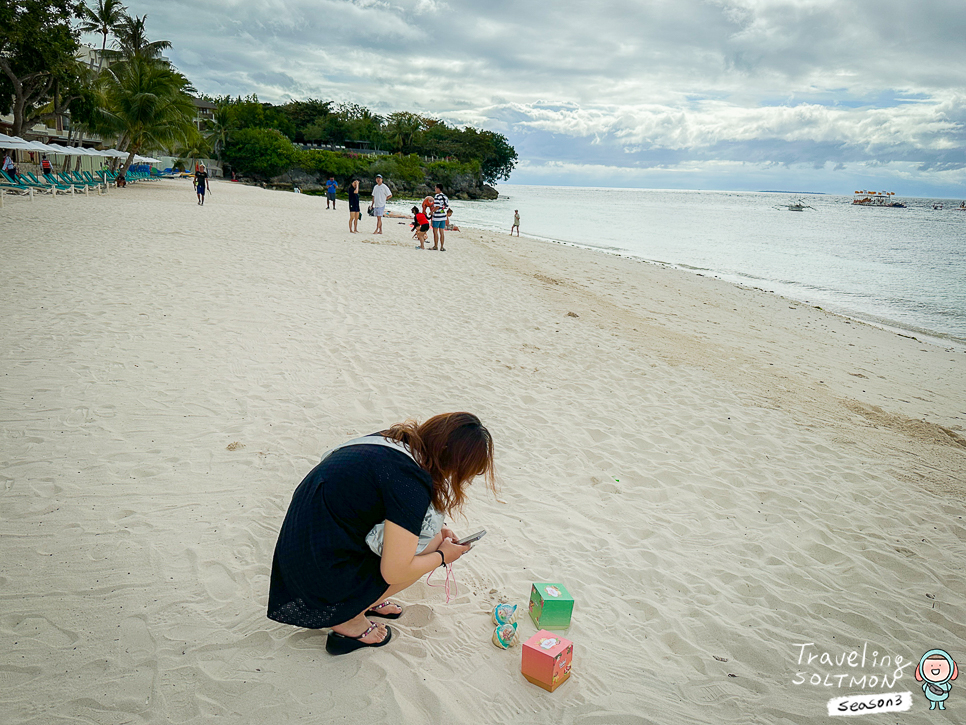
x: 12, y: 183
x: 43, y: 184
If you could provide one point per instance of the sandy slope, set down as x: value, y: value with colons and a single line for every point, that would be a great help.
x: 717, y: 474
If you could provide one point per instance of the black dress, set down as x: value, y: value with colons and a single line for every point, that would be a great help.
x: 323, y: 572
x: 353, y: 200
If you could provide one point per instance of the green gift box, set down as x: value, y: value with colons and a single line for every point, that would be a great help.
x: 551, y: 605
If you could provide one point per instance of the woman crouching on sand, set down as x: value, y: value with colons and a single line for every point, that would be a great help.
x: 326, y: 573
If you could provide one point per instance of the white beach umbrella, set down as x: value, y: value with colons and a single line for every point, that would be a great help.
x: 14, y: 142
x: 68, y: 150
x: 45, y: 148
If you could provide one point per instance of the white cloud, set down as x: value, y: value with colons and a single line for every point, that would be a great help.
x: 649, y: 84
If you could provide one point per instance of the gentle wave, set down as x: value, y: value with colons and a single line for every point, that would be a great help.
x: 900, y: 268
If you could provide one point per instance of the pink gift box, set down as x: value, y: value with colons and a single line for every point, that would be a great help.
x: 547, y: 659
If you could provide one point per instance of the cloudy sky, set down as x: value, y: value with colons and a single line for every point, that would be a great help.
x: 802, y: 95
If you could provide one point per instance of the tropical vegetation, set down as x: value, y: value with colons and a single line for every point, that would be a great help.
x: 38, y: 59
x: 136, y: 98
x: 348, y: 126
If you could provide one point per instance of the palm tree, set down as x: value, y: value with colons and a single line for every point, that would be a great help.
x: 133, y: 42
x: 146, y: 103
x: 403, y: 130
x: 195, y: 147
x: 104, y: 19
x: 219, y: 129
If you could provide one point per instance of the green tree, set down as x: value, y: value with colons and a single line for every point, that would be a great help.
x: 245, y: 112
x: 219, y: 129
x: 260, y: 152
x: 132, y: 41
x: 196, y: 146
x: 104, y: 19
x: 38, y: 49
x: 403, y: 131
x: 146, y: 103
x: 303, y: 115
x: 360, y: 124
x: 496, y: 156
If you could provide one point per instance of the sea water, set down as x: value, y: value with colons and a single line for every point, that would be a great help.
x: 900, y: 268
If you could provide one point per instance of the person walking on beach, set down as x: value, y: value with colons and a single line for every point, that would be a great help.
x: 440, y: 205
x: 9, y: 166
x: 201, y: 183
x: 326, y: 571
x: 354, y: 213
x: 330, y: 188
x: 46, y: 166
x: 516, y: 222
x: 380, y: 195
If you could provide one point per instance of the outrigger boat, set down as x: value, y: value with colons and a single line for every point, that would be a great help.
x: 877, y: 198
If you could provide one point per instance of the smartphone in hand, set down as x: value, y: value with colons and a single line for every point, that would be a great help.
x: 471, y: 538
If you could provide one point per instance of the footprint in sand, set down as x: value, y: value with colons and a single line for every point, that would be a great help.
x: 12, y: 676
x: 418, y: 615
x: 39, y: 628
x: 135, y: 644
x: 218, y: 581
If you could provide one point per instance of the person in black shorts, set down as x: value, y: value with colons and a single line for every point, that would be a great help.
x: 201, y: 183
x: 354, y: 213
x: 324, y: 573
x: 420, y: 226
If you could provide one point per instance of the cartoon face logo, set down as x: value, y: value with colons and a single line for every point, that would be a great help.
x: 552, y: 591
x: 936, y: 671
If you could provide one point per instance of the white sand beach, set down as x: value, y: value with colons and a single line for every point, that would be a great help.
x: 719, y: 475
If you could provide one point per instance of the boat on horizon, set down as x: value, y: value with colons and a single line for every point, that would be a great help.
x: 877, y: 198
x: 799, y: 205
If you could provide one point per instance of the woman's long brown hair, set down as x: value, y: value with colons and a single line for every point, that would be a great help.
x: 454, y: 448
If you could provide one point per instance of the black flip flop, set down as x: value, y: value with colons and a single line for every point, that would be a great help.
x: 342, y: 644
x: 374, y: 612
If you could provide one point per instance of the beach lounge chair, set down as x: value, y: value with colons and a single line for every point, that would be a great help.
x: 79, y: 177
x: 44, y: 185
x: 87, y: 175
x: 12, y: 183
x: 74, y: 178
x: 75, y: 181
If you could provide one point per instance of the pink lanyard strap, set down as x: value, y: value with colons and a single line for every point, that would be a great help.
x: 445, y: 584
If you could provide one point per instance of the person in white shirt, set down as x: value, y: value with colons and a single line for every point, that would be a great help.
x: 380, y: 195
